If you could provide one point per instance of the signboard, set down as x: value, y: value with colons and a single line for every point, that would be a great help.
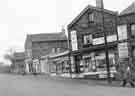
x: 74, y: 40
x: 111, y: 38
x: 97, y: 41
x: 86, y: 56
x: 123, y: 50
x: 122, y: 32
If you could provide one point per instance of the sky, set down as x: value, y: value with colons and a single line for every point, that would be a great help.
x: 21, y: 17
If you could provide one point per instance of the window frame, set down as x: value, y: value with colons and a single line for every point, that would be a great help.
x: 132, y: 31
x: 87, y: 39
x: 91, y: 17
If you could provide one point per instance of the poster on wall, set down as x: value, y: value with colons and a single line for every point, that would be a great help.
x: 122, y: 32
x: 123, y: 50
x: 74, y: 40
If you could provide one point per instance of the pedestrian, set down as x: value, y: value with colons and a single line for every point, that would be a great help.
x: 125, y: 72
x: 128, y: 77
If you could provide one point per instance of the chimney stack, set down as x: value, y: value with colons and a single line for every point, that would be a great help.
x: 99, y: 3
x: 63, y: 30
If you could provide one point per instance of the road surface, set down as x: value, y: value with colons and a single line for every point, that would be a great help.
x: 15, y: 85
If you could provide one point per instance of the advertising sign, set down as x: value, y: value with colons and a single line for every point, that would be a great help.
x: 123, y: 50
x: 122, y: 32
x: 74, y: 40
x: 97, y: 41
x: 111, y: 38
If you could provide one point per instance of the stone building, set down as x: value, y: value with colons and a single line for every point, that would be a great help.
x: 39, y: 46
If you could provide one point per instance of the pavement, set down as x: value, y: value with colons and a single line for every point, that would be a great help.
x: 42, y: 85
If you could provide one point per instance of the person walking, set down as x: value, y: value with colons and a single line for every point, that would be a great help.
x: 128, y: 77
x: 125, y: 72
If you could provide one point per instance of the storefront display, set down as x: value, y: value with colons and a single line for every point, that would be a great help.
x: 95, y: 62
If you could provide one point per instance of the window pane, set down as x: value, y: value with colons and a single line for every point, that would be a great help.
x: 91, y: 17
x: 133, y: 29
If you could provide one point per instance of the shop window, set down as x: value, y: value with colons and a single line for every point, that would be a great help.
x: 87, y: 39
x: 133, y: 29
x: 101, y: 63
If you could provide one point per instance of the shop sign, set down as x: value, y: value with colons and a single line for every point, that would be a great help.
x: 112, y: 38
x: 123, y: 50
x: 122, y: 32
x: 97, y: 41
x: 35, y: 61
x: 86, y: 56
x: 74, y: 40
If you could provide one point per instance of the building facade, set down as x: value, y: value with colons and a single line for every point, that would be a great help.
x: 87, y: 44
x: 19, y: 62
x: 126, y: 32
x: 39, y: 46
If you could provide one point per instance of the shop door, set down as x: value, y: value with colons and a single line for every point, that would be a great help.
x: 77, y: 64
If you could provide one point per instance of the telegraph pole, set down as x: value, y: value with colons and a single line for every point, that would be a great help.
x: 106, y: 45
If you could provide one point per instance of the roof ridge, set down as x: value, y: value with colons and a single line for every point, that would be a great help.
x: 129, y: 9
x: 93, y: 7
x: 45, y: 33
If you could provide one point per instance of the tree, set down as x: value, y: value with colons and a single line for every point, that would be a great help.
x: 10, y: 57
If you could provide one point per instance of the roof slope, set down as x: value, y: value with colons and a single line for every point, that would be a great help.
x: 91, y: 7
x: 130, y: 9
x: 48, y: 37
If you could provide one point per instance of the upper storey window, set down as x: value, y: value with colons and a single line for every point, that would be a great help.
x: 133, y: 29
x: 91, y: 17
x: 87, y: 39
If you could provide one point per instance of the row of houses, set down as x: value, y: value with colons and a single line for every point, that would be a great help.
x: 82, y: 52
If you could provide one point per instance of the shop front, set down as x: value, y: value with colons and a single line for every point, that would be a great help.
x: 59, y: 64
x: 94, y: 63
x: 36, y: 66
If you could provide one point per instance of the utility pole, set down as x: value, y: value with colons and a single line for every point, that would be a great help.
x: 106, y: 45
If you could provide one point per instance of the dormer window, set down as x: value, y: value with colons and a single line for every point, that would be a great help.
x: 91, y: 17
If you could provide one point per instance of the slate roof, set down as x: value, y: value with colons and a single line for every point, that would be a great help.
x: 47, y: 37
x: 130, y: 9
x: 91, y: 7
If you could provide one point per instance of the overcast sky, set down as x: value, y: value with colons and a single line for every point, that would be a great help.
x: 21, y: 17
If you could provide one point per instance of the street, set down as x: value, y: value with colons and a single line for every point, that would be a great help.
x: 17, y: 85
